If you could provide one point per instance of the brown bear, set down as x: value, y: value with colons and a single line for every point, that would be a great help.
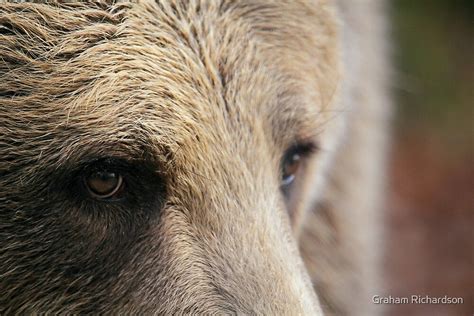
x: 191, y: 157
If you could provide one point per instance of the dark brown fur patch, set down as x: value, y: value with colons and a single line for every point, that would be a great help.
x: 195, y: 104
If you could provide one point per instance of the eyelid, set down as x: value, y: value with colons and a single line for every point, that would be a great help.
x: 288, y: 181
x: 302, y: 148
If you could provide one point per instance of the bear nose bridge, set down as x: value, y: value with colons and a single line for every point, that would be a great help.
x: 261, y: 274
x: 254, y: 261
x: 240, y: 231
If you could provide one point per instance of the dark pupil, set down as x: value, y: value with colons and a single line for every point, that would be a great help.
x: 103, y: 183
x: 290, y: 167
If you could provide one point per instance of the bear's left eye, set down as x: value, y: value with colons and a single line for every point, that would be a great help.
x: 292, y: 162
x: 289, y: 168
x: 104, y: 184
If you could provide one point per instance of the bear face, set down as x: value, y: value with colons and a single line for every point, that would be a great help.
x: 156, y: 157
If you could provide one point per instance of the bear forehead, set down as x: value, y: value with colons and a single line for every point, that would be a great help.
x: 91, y: 75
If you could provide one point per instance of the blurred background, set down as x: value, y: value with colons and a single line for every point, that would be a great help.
x: 431, y: 221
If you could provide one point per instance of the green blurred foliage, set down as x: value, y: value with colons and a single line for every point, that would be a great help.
x: 434, y: 66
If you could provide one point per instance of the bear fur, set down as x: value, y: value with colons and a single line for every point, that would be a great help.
x: 194, y: 103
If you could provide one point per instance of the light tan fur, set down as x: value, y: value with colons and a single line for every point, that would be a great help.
x: 199, y: 100
x: 342, y: 237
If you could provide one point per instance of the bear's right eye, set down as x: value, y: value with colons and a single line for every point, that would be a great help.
x: 114, y: 180
x: 104, y: 184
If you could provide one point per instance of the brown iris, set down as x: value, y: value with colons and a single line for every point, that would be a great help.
x: 104, y: 184
x: 290, y: 167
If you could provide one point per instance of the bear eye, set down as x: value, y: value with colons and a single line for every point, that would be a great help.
x: 292, y: 162
x: 290, y: 167
x: 104, y: 184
